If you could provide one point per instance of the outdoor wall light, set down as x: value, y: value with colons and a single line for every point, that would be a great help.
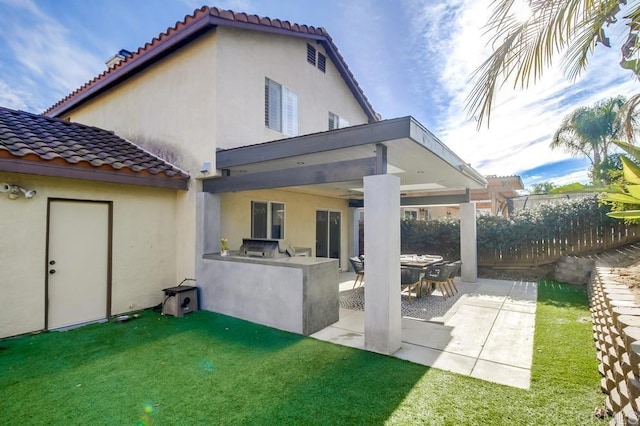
x: 15, y: 191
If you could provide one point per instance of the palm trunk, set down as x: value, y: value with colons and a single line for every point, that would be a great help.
x: 596, y: 166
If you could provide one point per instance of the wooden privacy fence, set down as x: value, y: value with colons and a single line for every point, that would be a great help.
x: 579, y: 238
x: 576, y: 237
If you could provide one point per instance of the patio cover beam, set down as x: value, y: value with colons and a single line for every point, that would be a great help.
x: 341, y: 171
x: 428, y: 200
x: 378, y: 132
x: 433, y: 200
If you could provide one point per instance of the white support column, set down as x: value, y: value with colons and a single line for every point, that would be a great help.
x: 468, y: 243
x: 382, y: 314
x: 207, y: 226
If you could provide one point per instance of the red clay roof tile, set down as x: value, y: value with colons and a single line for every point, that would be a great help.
x: 33, y: 137
x: 206, y: 12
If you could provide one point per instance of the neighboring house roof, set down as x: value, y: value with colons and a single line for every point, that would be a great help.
x: 40, y: 145
x: 513, y: 181
x: 191, y: 27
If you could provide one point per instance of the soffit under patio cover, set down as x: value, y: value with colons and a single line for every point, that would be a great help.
x: 333, y: 163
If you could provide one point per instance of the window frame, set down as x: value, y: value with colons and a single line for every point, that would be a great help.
x: 338, y: 122
x: 287, y: 105
x: 413, y: 213
x: 269, y: 219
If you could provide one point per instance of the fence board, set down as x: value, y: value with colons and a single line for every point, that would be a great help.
x: 580, y: 238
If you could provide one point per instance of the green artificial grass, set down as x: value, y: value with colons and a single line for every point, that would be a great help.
x: 206, y: 368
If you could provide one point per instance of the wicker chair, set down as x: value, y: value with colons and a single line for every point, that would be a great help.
x: 410, y: 280
x: 438, y: 275
x: 457, y: 265
x: 358, y: 268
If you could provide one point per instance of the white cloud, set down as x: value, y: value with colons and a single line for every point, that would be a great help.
x: 374, y: 70
x: 581, y: 176
x: 522, y: 121
x: 12, y: 97
x: 46, y: 50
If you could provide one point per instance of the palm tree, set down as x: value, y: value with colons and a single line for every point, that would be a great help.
x: 589, y: 132
x: 523, y: 49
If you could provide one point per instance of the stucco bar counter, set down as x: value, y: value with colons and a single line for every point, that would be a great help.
x: 297, y: 294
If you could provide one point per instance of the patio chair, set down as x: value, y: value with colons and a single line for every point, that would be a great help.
x: 358, y: 268
x: 457, y: 265
x: 438, y: 275
x: 410, y: 280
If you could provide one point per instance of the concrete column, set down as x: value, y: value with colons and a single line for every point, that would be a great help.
x: 207, y: 226
x: 382, y: 314
x: 468, y: 243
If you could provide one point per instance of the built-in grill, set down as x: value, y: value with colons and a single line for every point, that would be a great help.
x: 261, y: 247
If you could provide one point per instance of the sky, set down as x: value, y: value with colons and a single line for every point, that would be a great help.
x: 411, y: 57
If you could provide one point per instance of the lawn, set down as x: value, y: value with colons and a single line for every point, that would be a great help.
x: 206, y: 368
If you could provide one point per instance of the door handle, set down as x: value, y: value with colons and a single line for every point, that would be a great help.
x: 52, y: 271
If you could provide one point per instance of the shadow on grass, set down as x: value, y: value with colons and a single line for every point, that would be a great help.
x: 203, y: 368
x: 207, y: 368
x: 562, y: 295
x: 69, y: 349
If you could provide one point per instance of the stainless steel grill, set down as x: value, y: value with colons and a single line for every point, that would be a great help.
x: 260, y: 247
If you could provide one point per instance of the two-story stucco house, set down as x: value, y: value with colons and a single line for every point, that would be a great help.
x: 221, y: 80
x: 280, y: 143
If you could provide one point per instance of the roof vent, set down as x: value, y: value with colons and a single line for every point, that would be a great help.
x: 117, y: 58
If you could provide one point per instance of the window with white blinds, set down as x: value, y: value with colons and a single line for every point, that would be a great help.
x: 280, y: 108
x: 337, y: 122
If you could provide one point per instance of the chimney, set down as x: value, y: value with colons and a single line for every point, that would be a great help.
x: 117, y: 58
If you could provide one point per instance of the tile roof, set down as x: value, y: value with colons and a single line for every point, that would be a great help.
x: 190, y: 27
x: 39, y: 141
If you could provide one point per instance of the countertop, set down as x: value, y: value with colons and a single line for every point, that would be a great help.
x: 291, y: 262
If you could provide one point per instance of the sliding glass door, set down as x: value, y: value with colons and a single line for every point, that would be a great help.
x: 328, y: 224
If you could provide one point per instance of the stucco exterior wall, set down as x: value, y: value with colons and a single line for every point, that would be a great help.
x: 209, y: 95
x: 434, y: 211
x: 245, y: 58
x: 168, y: 108
x: 144, y: 250
x: 300, y: 218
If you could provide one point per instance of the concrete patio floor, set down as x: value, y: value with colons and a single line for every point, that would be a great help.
x: 487, y: 333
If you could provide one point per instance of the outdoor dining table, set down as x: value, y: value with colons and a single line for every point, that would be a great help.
x: 421, y: 262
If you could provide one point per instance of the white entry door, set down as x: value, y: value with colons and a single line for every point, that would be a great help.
x: 77, y: 263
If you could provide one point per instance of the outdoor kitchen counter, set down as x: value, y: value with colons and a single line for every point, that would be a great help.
x: 291, y: 262
x: 297, y: 294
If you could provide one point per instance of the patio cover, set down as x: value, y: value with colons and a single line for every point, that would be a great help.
x: 333, y: 163
x: 375, y: 165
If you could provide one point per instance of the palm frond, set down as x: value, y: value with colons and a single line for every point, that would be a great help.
x: 589, y: 32
x: 628, y: 214
x: 632, y: 150
x: 630, y: 171
x: 620, y: 198
x: 634, y: 190
x: 523, y: 50
x: 628, y: 113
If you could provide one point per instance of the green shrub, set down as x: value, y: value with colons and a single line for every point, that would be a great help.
x: 560, y: 223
